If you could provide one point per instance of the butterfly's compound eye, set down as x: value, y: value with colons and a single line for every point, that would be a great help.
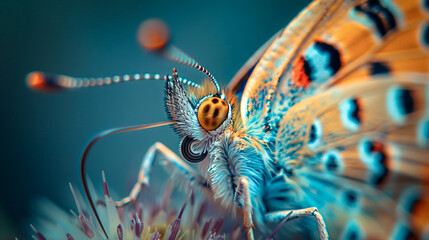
x: 212, y: 112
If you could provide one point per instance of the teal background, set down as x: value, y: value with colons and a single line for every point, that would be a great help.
x: 43, y: 135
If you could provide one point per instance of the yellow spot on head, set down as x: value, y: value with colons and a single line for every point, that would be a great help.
x: 212, y: 112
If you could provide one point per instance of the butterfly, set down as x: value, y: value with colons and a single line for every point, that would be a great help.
x: 325, y: 127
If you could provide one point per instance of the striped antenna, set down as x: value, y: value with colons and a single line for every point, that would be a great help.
x: 175, y: 54
x: 49, y: 82
x: 153, y: 35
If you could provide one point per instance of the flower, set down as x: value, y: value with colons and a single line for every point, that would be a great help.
x: 136, y: 221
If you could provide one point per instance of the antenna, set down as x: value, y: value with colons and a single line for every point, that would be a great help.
x: 49, y: 82
x: 154, y: 36
x: 89, y: 146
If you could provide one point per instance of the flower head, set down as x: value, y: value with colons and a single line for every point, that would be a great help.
x: 136, y: 221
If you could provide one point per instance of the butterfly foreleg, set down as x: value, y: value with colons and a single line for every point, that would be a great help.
x: 298, y: 213
x: 243, y: 198
x: 171, y: 160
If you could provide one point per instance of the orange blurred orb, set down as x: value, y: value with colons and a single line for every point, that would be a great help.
x: 36, y: 80
x: 43, y: 82
x: 153, y: 34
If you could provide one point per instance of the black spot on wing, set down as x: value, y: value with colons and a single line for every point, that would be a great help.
x: 350, y: 198
x: 382, y: 18
x: 312, y: 136
x: 331, y: 163
x: 307, y: 69
x: 406, y: 101
x: 400, y: 103
x: 377, y: 162
x: 334, y: 55
x: 301, y: 73
x: 426, y: 4
x: 355, y: 112
x: 375, y: 147
x: 377, y: 179
x: 351, y: 113
x: 377, y: 68
x: 425, y: 35
x: 353, y: 235
x: 315, y: 134
x: 403, y: 231
x: 353, y: 231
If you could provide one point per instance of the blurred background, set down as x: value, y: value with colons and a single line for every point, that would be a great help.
x: 43, y: 135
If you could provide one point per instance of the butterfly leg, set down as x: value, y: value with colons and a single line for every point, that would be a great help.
x: 171, y: 160
x: 243, y: 198
x: 277, y: 216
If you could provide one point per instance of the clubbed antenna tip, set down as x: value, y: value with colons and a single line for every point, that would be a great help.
x: 153, y: 34
x: 49, y: 82
x: 45, y: 82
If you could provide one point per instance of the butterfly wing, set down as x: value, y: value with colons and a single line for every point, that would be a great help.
x: 326, y: 42
x: 347, y: 108
x: 366, y: 143
x: 260, y: 86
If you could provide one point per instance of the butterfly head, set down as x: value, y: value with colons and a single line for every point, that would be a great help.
x: 202, y: 114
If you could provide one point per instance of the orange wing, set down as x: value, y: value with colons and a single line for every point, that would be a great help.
x: 264, y: 80
x: 349, y: 114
